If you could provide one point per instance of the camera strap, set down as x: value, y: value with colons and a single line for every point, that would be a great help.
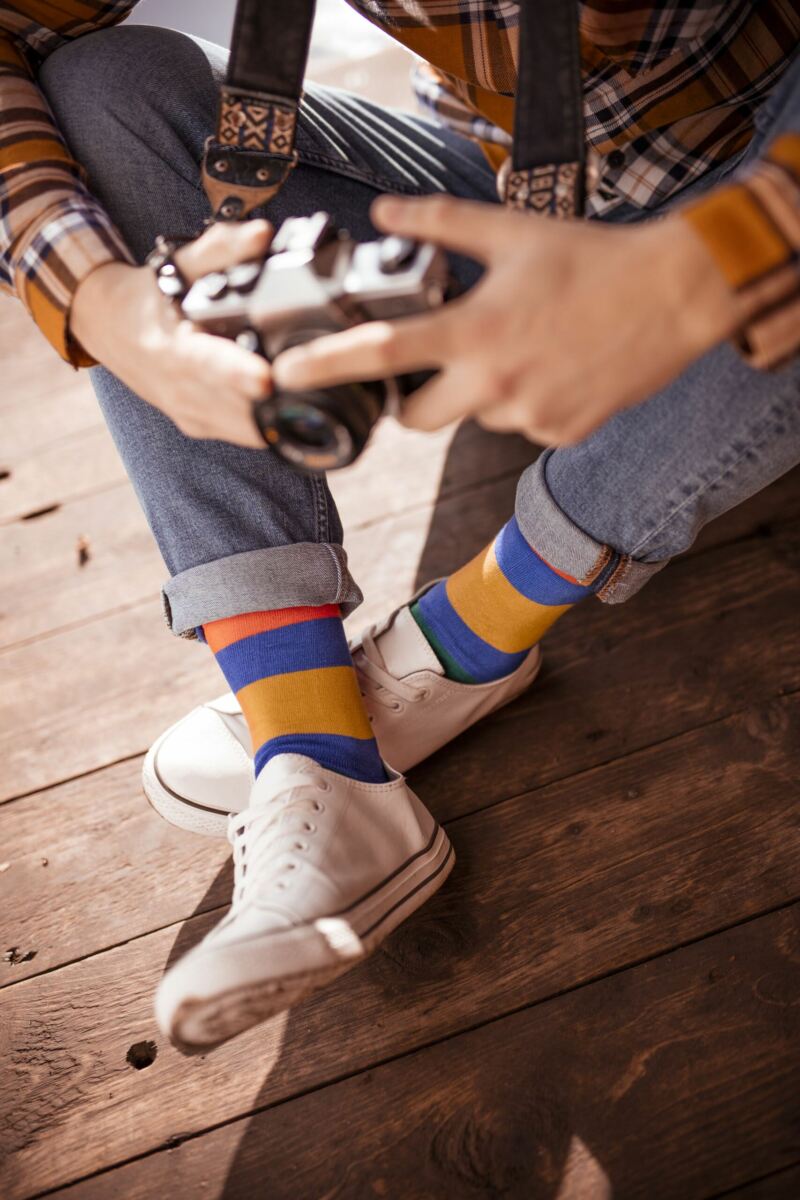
x: 546, y: 170
x: 250, y: 156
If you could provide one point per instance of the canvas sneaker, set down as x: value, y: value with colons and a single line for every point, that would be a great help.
x: 325, y: 867
x: 200, y: 770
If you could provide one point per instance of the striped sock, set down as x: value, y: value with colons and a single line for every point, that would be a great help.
x: 293, y: 675
x: 484, y: 619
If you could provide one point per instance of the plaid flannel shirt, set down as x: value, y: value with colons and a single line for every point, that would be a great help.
x: 670, y: 91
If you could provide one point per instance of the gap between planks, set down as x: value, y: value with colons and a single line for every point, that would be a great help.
x: 547, y: 896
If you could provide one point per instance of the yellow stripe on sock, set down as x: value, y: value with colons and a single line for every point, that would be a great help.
x: 322, y: 701
x: 495, y: 610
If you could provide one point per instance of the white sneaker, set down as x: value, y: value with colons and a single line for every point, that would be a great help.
x: 200, y: 770
x: 325, y: 868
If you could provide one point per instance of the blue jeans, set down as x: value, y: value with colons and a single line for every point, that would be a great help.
x: 238, y: 529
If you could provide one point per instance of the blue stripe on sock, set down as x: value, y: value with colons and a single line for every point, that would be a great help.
x: 530, y: 574
x: 299, y: 647
x: 348, y: 756
x: 477, y: 657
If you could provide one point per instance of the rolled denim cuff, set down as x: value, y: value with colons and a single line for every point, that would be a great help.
x: 567, y: 548
x: 308, y: 573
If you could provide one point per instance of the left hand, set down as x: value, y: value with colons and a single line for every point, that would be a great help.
x: 570, y: 322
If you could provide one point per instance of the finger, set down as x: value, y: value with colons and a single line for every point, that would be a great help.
x: 228, y: 366
x: 467, y: 226
x: 222, y: 245
x: 515, y: 416
x: 372, y: 351
x: 449, y: 397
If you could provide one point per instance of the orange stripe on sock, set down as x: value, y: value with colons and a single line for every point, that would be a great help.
x: 225, y: 632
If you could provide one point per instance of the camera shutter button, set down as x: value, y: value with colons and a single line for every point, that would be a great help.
x: 396, y: 253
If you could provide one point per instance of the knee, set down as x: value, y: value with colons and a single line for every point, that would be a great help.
x: 135, y: 106
x: 117, y: 81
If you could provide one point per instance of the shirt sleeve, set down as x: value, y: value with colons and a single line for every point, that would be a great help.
x: 53, y: 232
x: 752, y: 228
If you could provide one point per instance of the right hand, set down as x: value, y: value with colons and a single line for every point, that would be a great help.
x: 205, y: 384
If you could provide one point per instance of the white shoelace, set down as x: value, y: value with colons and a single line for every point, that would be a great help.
x: 267, y: 838
x: 392, y: 693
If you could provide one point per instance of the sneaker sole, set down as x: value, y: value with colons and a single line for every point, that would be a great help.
x: 215, y: 1019
x: 213, y: 822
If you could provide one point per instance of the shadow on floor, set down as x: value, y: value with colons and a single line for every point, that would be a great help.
x: 476, y: 496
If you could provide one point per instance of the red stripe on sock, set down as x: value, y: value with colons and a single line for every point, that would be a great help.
x: 220, y: 634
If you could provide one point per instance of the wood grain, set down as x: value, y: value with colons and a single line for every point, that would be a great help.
x: 592, y: 703
x: 126, y: 679
x: 669, y: 1081
x: 52, y: 588
x: 782, y: 1185
x: 551, y: 890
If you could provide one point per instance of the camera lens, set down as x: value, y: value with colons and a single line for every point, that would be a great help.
x: 305, y: 426
x: 320, y: 431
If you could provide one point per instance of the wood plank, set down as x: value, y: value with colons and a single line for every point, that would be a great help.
x: 669, y: 1081
x: 127, y: 679
x: 592, y: 704
x: 30, y: 364
x: 50, y: 585
x: 551, y: 890
x: 59, y: 471
x: 52, y: 588
x: 783, y: 1185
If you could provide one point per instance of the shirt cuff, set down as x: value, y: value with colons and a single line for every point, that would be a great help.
x: 752, y: 230
x: 67, y: 243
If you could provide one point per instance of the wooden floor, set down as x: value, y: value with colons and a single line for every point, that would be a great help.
x: 604, y: 1000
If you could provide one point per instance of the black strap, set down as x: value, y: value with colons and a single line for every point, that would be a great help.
x: 547, y: 168
x: 270, y: 46
x: 253, y: 151
x: 548, y: 113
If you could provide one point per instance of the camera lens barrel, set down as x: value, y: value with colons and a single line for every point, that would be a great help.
x: 324, y: 430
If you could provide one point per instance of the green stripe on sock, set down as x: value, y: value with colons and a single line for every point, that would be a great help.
x: 451, y: 668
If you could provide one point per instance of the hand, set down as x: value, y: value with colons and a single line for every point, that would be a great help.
x: 205, y: 384
x: 570, y: 322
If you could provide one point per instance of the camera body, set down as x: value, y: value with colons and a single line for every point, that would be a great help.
x: 314, y: 281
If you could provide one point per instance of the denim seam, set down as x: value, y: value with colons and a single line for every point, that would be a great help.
x: 338, y: 564
x: 351, y: 171
x: 320, y: 509
x: 616, y: 578
x: 776, y: 414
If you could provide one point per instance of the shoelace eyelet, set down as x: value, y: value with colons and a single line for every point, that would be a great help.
x: 301, y: 846
x: 319, y: 806
x: 397, y: 706
x: 308, y: 827
x: 323, y: 785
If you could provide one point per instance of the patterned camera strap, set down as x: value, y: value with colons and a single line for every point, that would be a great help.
x: 250, y: 156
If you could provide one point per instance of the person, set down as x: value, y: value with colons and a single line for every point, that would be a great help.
x: 652, y: 348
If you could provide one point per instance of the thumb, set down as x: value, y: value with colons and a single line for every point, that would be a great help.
x: 222, y: 245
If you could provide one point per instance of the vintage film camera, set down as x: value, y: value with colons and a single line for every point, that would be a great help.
x: 314, y: 281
